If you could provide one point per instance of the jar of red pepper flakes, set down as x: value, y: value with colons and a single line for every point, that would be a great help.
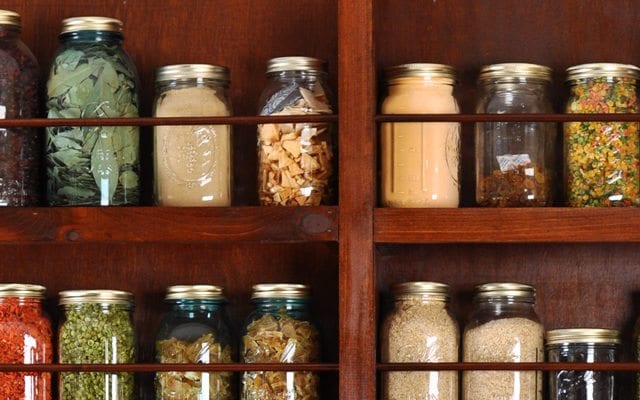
x: 602, y: 158
x: 25, y: 338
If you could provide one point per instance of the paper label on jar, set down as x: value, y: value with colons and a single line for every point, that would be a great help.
x: 510, y: 162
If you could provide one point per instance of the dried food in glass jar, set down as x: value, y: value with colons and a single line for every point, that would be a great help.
x: 296, y: 160
x: 602, y: 158
x: 92, y: 77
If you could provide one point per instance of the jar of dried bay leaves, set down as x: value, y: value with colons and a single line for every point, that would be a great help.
x: 280, y: 330
x: 295, y: 161
x: 195, y: 331
x: 92, y: 77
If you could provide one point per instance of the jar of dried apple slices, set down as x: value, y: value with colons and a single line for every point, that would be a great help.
x: 295, y: 160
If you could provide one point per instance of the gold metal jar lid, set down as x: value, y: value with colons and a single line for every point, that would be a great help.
x: 76, y: 24
x: 296, y: 63
x: 10, y: 18
x: 192, y: 71
x: 208, y: 292
x: 441, y: 72
x: 280, y: 291
x: 602, y: 70
x: 514, y: 72
x: 432, y: 290
x: 95, y: 296
x: 518, y: 291
x: 21, y: 290
x: 583, y: 335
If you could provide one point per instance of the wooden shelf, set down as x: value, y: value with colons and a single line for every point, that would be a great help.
x: 529, y: 366
x: 168, y: 224
x: 506, y: 225
x: 234, y: 367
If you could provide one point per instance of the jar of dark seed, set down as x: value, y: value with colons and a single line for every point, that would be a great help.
x: 97, y: 329
x: 20, y: 148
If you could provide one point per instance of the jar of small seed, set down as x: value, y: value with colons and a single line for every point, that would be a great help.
x: 97, y: 329
x: 195, y: 331
x: 602, y: 158
x: 420, y: 328
x: 280, y: 330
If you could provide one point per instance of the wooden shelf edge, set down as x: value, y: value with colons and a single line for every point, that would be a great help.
x: 529, y: 366
x: 230, y: 367
x: 168, y: 224
x: 506, y: 225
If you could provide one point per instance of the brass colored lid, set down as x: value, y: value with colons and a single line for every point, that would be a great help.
x: 602, y: 70
x: 422, y: 70
x: 297, y: 63
x: 77, y: 24
x: 583, y: 335
x: 280, y: 291
x: 21, y: 290
x: 518, y: 291
x: 95, y: 296
x: 179, y: 292
x: 192, y: 71
x: 432, y: 290
x: 10, y: 18
x: 514, y: 72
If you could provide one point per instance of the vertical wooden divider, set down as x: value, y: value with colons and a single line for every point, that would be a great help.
x: 357, y: 139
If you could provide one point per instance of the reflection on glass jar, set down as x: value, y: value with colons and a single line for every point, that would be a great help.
x: 515, y: 160
x: 582, y: 346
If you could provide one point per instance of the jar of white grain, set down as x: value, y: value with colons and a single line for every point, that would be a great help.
x: 192, y: 162
x: 420, y: 328
x: 503, y: 327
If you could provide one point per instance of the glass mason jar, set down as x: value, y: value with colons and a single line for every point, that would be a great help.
x: 296, y: 161
x: 515, y: 160
x: 20, y: 147
x: 26, y: 339
x: 195, y: 331
x: 420, y: 328
x: 92, y: 77
x: 97, y: 329
x: 601, y: 158
x: 420, y: 161
x: 582, y: 346
x: 280, y: 330
x: 193, y: 164
x: 503, y: 327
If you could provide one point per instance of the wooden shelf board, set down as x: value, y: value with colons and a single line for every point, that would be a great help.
x: 151, y: 367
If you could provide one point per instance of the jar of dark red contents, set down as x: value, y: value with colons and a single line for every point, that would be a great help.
x: 25, y: 333
x: 20, y: 146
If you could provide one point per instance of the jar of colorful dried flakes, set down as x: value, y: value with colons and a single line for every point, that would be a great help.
x: 26, y: 339
x: 602, y: 158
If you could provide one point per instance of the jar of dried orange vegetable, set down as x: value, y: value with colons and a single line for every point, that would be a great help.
x: 195, y: 331
x: 602, y: 158
x: 280, y: 330
x: 26, y: 339
x: 296, y: 161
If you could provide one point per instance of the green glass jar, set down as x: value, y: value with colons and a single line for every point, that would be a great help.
x: 280, y: 330
x: 92, y: 77
x: 195, y: 331
x: 97, y: 329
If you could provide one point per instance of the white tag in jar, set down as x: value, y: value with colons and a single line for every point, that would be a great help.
x: 510, y: 162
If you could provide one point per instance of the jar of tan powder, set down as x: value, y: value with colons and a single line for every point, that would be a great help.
x: 420, y: 160
x: 193, y: 163
x: 420, y: 328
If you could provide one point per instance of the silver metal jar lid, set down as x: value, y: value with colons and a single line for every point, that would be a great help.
x: 95, y: 296
x: 441, y: 72
x: 192, y: 71
x: 10, y: 18
x: 602, y: 70
x: 517, y: 291
x: 514, y: 72
x: 280, y: 291
x: 583, y: 335
x: 297, y: 63
x: 76, y: 24
x: 21, y: 290
x: 179, y: 292
x: 432, y: 290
